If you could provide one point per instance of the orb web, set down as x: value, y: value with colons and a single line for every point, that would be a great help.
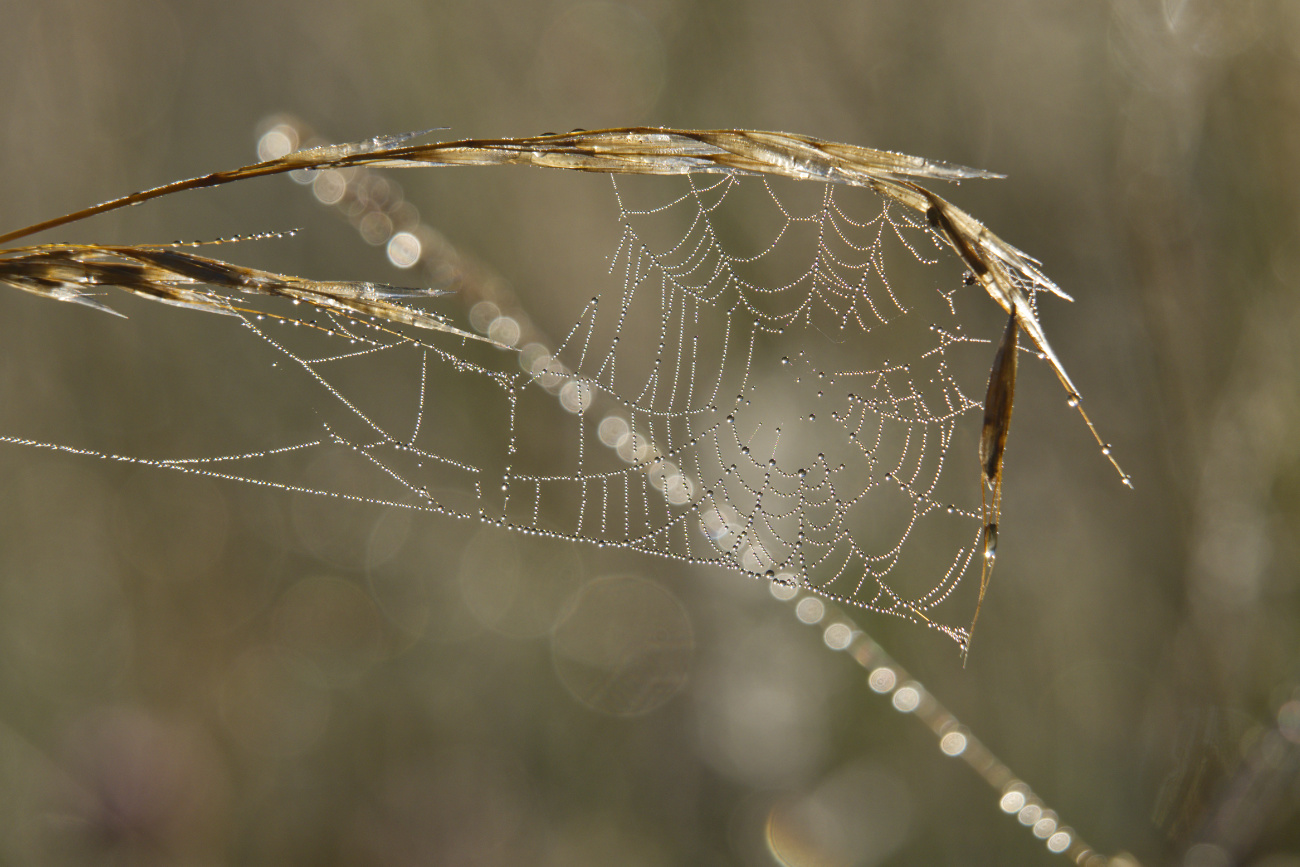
x: 762, y: 375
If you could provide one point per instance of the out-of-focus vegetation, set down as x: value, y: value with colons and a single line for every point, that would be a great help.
x: 199, y: 672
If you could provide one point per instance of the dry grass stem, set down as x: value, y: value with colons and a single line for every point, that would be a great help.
x: 74, y: 272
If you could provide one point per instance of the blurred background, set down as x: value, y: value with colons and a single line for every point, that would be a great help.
x: 197, y: 672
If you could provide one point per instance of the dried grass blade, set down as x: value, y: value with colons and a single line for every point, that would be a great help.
x: 1008, y: 276
x: 648, y: 150
x: 634, y: 150
x: 66, y: 271
x: 998, y: 404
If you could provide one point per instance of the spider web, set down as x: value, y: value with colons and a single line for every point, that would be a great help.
x: 739, y: 382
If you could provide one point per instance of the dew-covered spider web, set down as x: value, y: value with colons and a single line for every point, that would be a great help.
x: 764, y: 375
